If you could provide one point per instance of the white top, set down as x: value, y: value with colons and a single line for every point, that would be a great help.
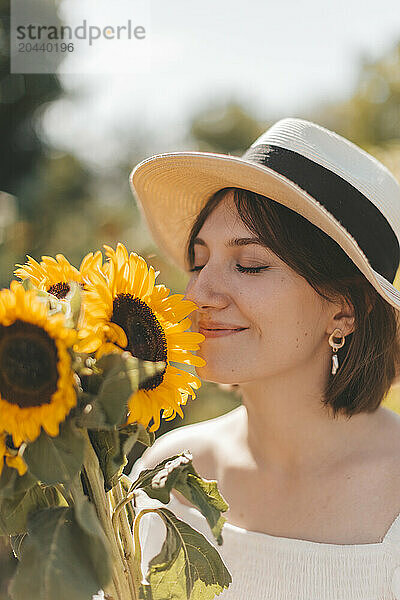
x: 268, y: 567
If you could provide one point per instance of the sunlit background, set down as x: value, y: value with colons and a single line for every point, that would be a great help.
x: 217, y: 75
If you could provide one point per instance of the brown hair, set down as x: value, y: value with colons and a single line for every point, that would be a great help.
x: 368, y: 359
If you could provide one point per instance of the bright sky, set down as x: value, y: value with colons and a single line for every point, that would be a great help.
x: 279, y: 58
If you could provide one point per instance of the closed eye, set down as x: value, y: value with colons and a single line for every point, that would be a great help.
x: 240, y: 268
x: 198, y: 268
x: 250, y: 269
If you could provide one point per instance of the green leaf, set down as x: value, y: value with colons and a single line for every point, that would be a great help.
x: 14, y: 511
x: 137, y: 370
x: 118, y: 385
x: 55, y: 562
x: 56, y: 459
x: 92, y: 415
x: 112, y: 447
x: 26, y: 581
x: 16, y: 542
x: 90, y: 381
x: 145, y: 477
x: 12, y: 484
x: 129, y: 435
x: 145, y: 437
x: 110, y: 454
x: 188, y: 567
x: 178, y: 473
x: 204, y: 494
x: 123, y: 373
x: 95, y: 540
x: 159, y: 481
x: 107, y: 386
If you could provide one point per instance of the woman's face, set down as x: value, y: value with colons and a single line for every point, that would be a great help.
x: 260, y: 318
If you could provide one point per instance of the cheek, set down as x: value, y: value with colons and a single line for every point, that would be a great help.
x: 267, y: 313
x: 288, y: 324
x: 303, y: 331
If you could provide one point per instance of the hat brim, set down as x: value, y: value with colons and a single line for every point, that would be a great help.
x: 172, y: 188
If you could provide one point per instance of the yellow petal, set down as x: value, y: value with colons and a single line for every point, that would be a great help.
x: 17, y: 462
x: 88, y: 345
x: 116, y: 334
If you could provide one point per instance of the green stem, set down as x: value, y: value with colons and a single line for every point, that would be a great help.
x: 120, y: 517
x: 76, y: 492
x: 121, y: 504
x: 76, y: 489
x: 138, y: 550
x: 96, y: 482
x: 121, y: 542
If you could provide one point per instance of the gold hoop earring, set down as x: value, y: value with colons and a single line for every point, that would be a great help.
x: 336, y: 346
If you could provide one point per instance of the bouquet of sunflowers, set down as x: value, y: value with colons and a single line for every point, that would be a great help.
x: 86, y: 368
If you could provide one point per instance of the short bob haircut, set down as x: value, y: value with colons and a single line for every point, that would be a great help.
x: 367, y: 360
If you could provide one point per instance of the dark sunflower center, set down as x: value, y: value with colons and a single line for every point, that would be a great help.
x: 146, y: 337
x: 28, y: 365
x: 60, y: 289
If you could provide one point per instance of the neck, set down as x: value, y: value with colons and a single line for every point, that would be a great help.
x: 290, y: 431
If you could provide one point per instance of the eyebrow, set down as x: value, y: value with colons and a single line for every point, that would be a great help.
x: 232, y: 243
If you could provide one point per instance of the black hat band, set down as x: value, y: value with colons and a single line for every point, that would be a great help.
x: 358, y: 215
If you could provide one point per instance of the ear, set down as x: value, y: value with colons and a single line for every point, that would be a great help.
x: 342, y: 318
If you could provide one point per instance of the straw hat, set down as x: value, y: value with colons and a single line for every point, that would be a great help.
x: 324, y: 177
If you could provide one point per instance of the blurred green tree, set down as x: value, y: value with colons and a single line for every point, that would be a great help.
x: 370, y: 116
x: 227, y: 128
x: 21, y: 97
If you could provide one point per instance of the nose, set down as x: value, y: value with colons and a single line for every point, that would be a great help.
x: 207, y: 289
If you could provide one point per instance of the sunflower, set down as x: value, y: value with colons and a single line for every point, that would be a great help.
x: 53, y: 275
x: 13, y: 460
x: 36, y: 380
x: 125, y: 310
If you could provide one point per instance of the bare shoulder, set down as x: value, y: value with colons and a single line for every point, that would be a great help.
x: 385, y: 452
x: 204, y: 441
x: 389, y: 430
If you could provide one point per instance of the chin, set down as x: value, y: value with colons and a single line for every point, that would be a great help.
x: 216, y: 376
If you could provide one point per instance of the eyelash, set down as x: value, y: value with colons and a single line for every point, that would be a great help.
x: 240, y: 268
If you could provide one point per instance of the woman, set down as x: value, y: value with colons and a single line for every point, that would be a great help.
x: 293, y: 250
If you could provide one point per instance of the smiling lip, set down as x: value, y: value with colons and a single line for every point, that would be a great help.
x: 213, y: 330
